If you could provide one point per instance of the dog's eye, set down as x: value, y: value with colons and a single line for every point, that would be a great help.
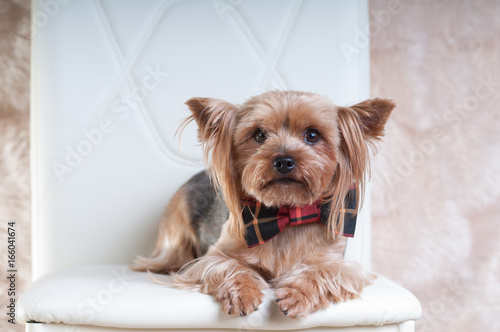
x: 311, y: 136
x: 260, y: 136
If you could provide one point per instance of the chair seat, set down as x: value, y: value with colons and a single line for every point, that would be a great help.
x: 115, y: 296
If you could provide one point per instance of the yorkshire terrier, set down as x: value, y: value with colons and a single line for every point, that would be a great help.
x: 286, y: 174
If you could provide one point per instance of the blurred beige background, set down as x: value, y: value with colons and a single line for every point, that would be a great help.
x: 436, y: 188
x: 436, y: 180
x: 14, y: 146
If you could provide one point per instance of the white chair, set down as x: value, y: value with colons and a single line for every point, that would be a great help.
x: 109, y: 82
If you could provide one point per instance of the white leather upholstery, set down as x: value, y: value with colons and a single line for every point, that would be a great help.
x: 112, y: 295
x: 109, y: 82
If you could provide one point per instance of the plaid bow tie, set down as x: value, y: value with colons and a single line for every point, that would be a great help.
x: 262, y: 223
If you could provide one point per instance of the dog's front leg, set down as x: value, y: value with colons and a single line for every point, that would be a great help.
x: 312, y: 286
x: 236, y: 286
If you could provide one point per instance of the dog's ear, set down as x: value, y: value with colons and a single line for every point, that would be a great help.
x: 360, y: 126
x: 216, y: 120
x: 213, y: 116
x: 372, y: 114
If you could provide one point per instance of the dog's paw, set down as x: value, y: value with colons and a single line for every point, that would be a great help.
x: 298, y: 302
x: 349, y: 284
x: 241, y: 302
x: 240, y: 296
x: 301, y: 294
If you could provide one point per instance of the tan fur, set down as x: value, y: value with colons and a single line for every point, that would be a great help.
x: 177, y: 242
x: 216, y: 120
x: 303, y: 263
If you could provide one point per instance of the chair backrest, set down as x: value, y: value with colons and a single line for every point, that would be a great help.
x: 109, y: 82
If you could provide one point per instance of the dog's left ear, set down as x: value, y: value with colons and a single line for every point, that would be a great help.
x: 360, y: 126
x: 371, y: 115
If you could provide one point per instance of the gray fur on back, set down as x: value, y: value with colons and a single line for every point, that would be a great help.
x: 207, y: 209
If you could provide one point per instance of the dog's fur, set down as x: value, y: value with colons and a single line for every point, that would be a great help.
x: 303, y: 263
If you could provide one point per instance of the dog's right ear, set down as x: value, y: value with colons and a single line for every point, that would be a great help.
x: 216, y: 121
x: 213, y: 116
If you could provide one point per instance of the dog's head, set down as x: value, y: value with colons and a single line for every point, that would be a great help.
x: 287, y: 148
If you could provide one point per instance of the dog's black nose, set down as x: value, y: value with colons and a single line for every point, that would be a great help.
x: 284, y: 164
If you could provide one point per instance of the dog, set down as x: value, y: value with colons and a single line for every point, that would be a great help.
x: 281, y: 157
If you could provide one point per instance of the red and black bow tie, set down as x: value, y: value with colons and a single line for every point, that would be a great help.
x: 262, y: 223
